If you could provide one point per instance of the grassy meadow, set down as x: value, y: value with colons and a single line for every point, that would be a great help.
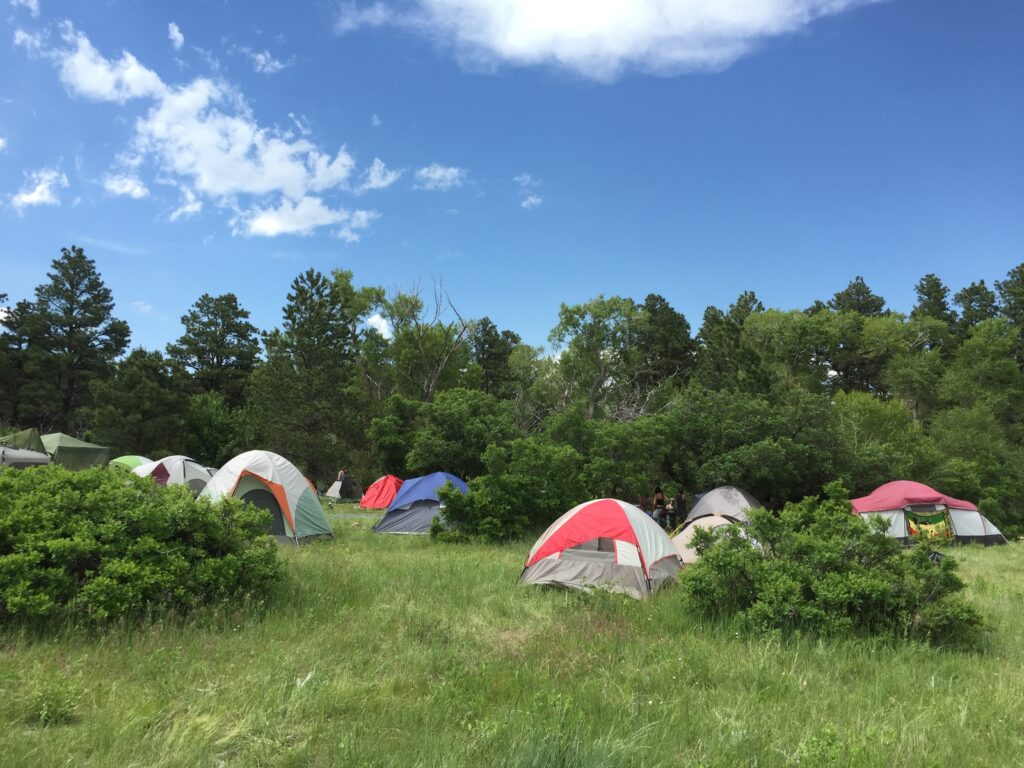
x: 394, y: 651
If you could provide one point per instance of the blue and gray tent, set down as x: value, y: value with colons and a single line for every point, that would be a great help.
x: 416, y: 504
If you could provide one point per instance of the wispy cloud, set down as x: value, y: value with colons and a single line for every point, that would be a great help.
x: 142, y: 307
x: 598, y: 40
x: 440, y: 177
x: 375, y: 121
x: 531, y: 201
x: 125, y: 186
x: 527, y: 183
x: 40, y: 189
x: 3, y: 143
x: 125, y: 249
x: 377, y: 176
x: 175, y: 36
x: 31, y: 5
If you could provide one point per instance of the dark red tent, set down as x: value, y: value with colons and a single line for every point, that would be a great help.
x: 381, y: 493
x: 903, y: 493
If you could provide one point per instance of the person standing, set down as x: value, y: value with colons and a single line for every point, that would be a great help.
x: 659, y: 501
x: 679, y: 504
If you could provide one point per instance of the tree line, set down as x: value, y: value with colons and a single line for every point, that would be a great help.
x: 778, y: 402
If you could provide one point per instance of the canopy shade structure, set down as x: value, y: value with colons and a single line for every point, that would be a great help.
x: 273, y: 483
x: 381, y: 492
x: 18, y: 458
x: 913, y: 508
x: 416, y: 505
x: 725, y: 501
x: 73, y: 453
x: 26, y: 439
x: 603, y: 544
x: 176, y: 470
x: 129, y: 462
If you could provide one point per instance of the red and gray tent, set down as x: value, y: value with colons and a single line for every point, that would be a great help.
x: 381, y: 493
x: 605, y: 544
x: 914, y: 508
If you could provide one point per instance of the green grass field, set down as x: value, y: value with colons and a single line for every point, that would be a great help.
x: 394, y: 651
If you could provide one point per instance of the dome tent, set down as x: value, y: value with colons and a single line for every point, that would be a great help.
x: 176, y: 470
x: 381, y: 492
x: 416, y: 505
x: 271, y: 482
x: 346, y: 488
x: 913, y: 508
x: 73, y: 453
x: 605, y: 544
x: 684, y: 538
x: 725, y: 501
x: 129, y: 462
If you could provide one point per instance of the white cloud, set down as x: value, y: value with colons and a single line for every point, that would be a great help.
x: 600, y: 39
x: 532, y: 201
x: 175, y: 36
x: 125, y: 186
x: 31, y: 5
x: 190, y: 205
x: 264, y: 63
x: 203, y: 137
x: 380, y: 324
x: 3, y: 143
x: 84, y: 71
x: 41, y: 189
x: 301, y: 123
x: 375, y: 121
x: 142, y: 307
x: 527, y: 184
x: 352, y: 17
x: 440, y: 177
x: 302, y: 218
x: 377, y: 176
x: 30, y: 41
x: 526, y: 181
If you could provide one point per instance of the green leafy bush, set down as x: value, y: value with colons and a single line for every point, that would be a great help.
x: 98, y: 545
x: 816, y: 567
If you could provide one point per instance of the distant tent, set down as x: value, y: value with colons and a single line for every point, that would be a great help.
x: 725, y: 501
x: 381, y: 493
x: 604, y: 544
x: 683, y: 540
x: 73, y: 453
x: 20, y: 459
x: 27, y: 439
x: 346, y: 488
x: 273, y: 483
x: 129, y: 462
x: 916, y: 509
x: 176, y: 470
x: 416, y: 505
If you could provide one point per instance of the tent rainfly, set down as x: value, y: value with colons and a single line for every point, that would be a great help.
x: 381, y: 493
x: 605, y: 544
x: 129, y: 462
x: 73, y: 453
x: 20, y: 459
x: 416, y: 505
x: 724, y: 501
x: 176, y: 470
x: 915, y: 509
x: 273, y: 483
x: 27, y: 440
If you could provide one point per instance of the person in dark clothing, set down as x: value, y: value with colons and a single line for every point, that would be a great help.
x: 659, y: 501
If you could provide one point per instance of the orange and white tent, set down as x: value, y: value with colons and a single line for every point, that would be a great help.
x: 273, y: 483
x: 604, y: 544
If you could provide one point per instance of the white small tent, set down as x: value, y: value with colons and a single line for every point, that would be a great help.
x: 725, y: 501
x: 176, y: 470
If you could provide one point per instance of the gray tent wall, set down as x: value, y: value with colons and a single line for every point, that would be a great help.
x: 413, y: 518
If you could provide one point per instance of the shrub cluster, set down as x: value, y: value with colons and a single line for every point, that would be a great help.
x: 816, y: 567
x: 94, y: 546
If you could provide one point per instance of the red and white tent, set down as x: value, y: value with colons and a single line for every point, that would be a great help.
x: 902, y: 501
x: 605, y: 544
x: 381, y: 492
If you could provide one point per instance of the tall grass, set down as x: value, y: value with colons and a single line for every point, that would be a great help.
x: 393, y: 651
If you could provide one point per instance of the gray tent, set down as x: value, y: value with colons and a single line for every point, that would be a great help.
x: 725, y: 501
x: 347, y: 489
x: 19, y: 459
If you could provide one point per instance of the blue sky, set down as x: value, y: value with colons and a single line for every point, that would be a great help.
x: 526, y: 153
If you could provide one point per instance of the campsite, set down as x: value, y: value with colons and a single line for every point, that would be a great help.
x: 556, y: 384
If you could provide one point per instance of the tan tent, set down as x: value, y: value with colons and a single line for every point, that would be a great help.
x: 684, y: 539
x: 725, y: 501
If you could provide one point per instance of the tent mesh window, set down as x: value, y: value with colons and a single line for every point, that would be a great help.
x: 595, y: 549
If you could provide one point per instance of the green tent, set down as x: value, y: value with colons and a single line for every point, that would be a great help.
x: 73, y: 453
x: 27, y: 439
x: 129, y: 462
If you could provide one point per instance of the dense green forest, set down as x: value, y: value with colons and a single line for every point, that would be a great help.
x: 779, y: 402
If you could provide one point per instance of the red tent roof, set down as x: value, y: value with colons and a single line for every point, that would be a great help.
x: 381, y: 493
x: 901, y: 493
